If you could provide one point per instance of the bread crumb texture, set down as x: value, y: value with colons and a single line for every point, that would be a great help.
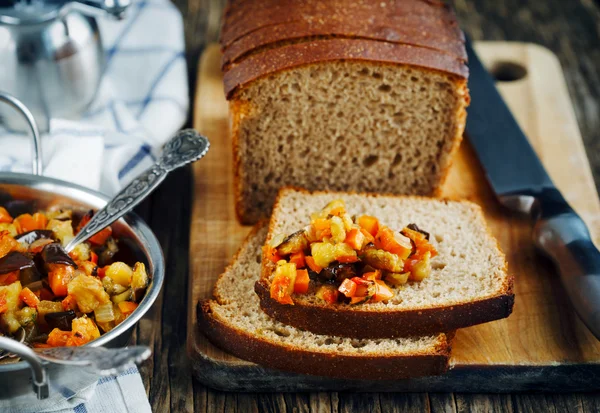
x: 238, y: 306
x: 346, y: 125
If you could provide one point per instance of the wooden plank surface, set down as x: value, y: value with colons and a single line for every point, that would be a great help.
x: 541, y: 344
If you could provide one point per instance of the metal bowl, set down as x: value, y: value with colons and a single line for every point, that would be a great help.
x: 133, y: 235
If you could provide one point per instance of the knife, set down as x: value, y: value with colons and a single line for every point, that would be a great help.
x: 522, y: 184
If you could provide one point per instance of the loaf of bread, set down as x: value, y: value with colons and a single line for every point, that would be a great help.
x: 342, y: 95
x: 234, y: 321
x: 469, y: 283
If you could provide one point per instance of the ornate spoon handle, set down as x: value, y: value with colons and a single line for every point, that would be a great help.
x: 185, y: 147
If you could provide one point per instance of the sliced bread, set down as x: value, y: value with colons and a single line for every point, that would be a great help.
x: 468, y: 284
x: 342, y: 95
x: 234, y: 321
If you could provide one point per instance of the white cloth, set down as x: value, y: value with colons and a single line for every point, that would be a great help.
x: 115, y: 394
x: 142, y: 101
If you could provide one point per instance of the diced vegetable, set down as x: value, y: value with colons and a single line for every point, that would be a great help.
x: 5, y: 216
x: 9, y: 278
x: 29, y: 298
x: 369, y: 223
x: 104, y: 313
x: 338, y: 232
x: 12, y: 293
x: 3, y: 302
x: 298, y: 258
x: 88, y: 292
x: 328, y: 293
x: 38, y: 245
x: 27, y: 222
x: 59, y: 276
x: 93, y: 257
x: 139, y: 281
x: 88, y: 267
x: 344, y: 253
x: 111, y: 287
x: 296, y: 242
x: 421, y: 269
x: 10, y: 228
x: 271, y: 254
x: 372, y: 276
x: 127, y: 307
x: 302, y: 282
x: 7, y: 243
x: 382, y: 292
x: 69, y: 303
x: 310, y: 261
x: 348, y: 288
x: 396, y: 279
x: 84, y: 331
x: 58, y: 338
x: 124, y: 296
x: 283, y: 282
x: 382, y: 260
x: 63, y: 230
x: 26, y: 316
x: 421, y: 241
x: 355, y: 239
x: 81, y: 252
x: 61, y: 320
x: 120, y: 273
x: 323, y: 253
x: 396, y: 243
x: 47, y: 307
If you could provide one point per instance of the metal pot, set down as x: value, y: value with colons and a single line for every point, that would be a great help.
x: 51, y: 54
x: 16, y: 379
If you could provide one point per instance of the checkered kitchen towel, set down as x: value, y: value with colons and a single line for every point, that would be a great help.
x: 142, y: 101
x: 121, y: 394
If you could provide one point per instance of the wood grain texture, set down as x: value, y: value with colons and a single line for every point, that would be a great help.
x: 569, y: 28
x: 538, y: 346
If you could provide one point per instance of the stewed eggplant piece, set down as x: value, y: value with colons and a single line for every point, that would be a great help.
x: 55, y: 254
x: 294, y: 243
x: 15, y: 261
x: 31, y: 236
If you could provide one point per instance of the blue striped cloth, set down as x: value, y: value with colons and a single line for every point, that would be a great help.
x: 142, y: 101
x: 115, y: 394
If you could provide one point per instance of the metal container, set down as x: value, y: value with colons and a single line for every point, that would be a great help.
x: 133, y: 234
x: 51, y: 54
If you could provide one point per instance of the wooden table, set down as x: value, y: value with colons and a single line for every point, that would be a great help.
x: 571, y: 29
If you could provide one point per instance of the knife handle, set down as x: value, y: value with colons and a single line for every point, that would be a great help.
x: 563, y: 236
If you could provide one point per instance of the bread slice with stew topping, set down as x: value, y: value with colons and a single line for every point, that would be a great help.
x: 468, y: 284
x: 234, y: 321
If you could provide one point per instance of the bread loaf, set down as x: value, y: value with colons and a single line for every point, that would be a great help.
x: 469, y: 283
x: 342, y: 95
x: 234, y: 322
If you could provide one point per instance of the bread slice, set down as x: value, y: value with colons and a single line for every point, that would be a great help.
x: 468, y: 285
x: 342, y: 95
x: 234, y: 322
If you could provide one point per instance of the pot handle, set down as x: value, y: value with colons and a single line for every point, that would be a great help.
x: 40, y: 378
x: 97, y: 8
x: 37, y: 142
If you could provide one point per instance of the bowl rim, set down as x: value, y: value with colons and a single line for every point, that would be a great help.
x: 150, y: 247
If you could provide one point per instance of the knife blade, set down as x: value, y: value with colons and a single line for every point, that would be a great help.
x: 521, y: 183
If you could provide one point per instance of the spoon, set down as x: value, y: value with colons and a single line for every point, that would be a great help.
x: 185, y: 147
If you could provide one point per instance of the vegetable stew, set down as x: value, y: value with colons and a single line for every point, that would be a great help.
x: 344, y: 259
x: 60, y: 298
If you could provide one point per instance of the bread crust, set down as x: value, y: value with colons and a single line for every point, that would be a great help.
x: 340, y: 320
x: 302, y: 54
x: 257, y: 350
x: 375, y: 15
x: 296, y: 32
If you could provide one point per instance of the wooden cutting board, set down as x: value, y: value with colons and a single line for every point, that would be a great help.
x: 541, y: 346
